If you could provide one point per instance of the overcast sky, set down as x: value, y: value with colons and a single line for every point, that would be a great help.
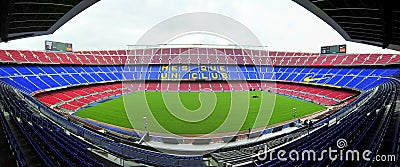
x: 282, y: 25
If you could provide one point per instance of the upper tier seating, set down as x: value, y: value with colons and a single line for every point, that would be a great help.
x: 196, y: 56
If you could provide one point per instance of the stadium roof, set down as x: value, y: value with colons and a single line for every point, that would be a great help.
x: 374, y: 22
x: 27, y: 18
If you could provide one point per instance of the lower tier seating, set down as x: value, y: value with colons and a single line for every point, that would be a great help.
x: 317, y: 94
x: 74, y: 98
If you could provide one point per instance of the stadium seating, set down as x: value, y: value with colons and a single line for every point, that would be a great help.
x: 74, y: 98
x: 187, y: 56
x: 58, y: 147
x: 35, y: 78
x: 77, y: 97
x: 353, y: 124
x: 358, y: 129
x: 72, y: 81
x: 320, y: 95
x: 11, y: 150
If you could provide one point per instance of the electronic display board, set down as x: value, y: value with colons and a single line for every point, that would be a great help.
x: 58, y: 46
x: 335, y: 49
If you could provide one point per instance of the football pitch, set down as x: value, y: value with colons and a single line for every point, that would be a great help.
x: 198, y: 112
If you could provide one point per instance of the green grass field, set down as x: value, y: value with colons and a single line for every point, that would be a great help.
x: 198, y: 112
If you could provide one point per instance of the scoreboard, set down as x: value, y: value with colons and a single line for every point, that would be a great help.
x: 58, y: 46
x: 335, y: 49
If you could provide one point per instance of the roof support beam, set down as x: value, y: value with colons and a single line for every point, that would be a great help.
x: 387, y: 18
x: 4, y: 19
